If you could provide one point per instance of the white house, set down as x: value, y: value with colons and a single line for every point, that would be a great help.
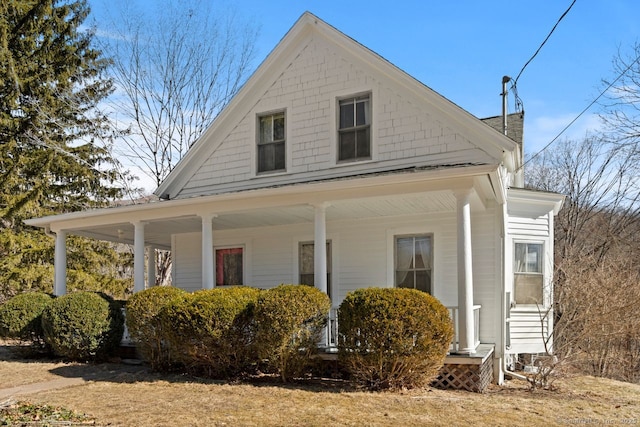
x: 330, y: 145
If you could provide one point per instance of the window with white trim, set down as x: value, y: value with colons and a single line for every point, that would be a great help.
x: 307, y: 263
x: 354, y: 129
x: 271, y: 143
x: 414, y: 262
x: 229, y: 266
x: 528, y: 277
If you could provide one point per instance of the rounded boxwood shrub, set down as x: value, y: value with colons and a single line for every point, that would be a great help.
x: 393, y: 338
x: 83, y: 325
x: 290, y: 320
x: 145, y: 326
x: 213, y: 330
x: 21, y: 318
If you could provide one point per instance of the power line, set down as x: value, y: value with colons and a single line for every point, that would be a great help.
x: 545, y: 40
x: 583, y: 111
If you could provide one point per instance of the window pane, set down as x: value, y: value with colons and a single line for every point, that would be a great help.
x: 404, y: 279
x: 363, y: 147
x: 307, y: 279
x: 278, y: 128
x: 519, y: 257
x: 528, y: 257
x: 306, y: 259
x: 534, y: 258
x: 362, y: 112
x: 266, y: 129
x: 279, y: 163
x: 528, y: 288
x: 347, y: 146
x: 346, y: 115
x: 423, y: 281
x: 404, y: 253
x: 266, y: 157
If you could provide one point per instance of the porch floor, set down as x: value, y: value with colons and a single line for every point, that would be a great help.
x: 478, y: 358
x: 483, y: 352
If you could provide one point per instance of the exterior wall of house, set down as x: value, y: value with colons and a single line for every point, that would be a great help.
x: 529, y: 323
x: 405, y: 131
x: 362, y: 256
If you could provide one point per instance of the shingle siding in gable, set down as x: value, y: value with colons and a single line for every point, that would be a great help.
x: 405, y: 132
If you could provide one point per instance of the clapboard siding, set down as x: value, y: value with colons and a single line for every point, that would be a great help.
x: 187, y: 261
x: 528, y: 222
x: 529, y: 226
x: 528, y: 331
x: 362, y: 256
x: 485, y: 278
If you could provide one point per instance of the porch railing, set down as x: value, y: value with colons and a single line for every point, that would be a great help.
x: 453, y: 312
x: 330, y: 336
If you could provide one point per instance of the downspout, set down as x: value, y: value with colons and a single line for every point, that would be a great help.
x: 48, y: 232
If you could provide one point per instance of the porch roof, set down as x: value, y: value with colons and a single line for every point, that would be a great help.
x: 417, y: 191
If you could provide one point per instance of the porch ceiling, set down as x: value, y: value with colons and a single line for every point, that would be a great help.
x: 159, y: 232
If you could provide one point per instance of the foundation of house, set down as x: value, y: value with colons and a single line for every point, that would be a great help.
x: 471, y: 372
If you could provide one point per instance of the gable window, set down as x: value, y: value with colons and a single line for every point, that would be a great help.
x: 354, y: 129
x: 413, y: 262
x: 307, y: 262
x: 271, y: 143
x: 229, y: 267
x: 528, y: 276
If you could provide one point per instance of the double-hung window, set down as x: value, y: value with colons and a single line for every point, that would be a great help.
x: 413, y: 262
x: 271, y: 143
x: 354, y: 129
x: 307, y: 263
x: 229, y: 266
x: 528, y: 275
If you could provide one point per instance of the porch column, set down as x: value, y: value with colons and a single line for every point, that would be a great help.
x: 208, y: 258
x: 60, y: 264
x: 138, y: 257
x: 320, y: 247
x: 151, y: 266
x: 465, y: 274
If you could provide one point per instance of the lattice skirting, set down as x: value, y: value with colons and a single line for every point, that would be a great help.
x: 475, y: 378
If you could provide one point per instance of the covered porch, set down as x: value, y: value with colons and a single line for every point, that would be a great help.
x: 438, y: 201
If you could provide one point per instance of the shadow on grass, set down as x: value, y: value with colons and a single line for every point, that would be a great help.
x: 115, y: 371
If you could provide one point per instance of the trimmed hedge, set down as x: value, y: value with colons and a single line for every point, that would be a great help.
x: 212, y: 330
x: 290, y: 320
x: 145, y: 326
x: 391, y: 338
x: 21, y: 318
x: 83, y: 325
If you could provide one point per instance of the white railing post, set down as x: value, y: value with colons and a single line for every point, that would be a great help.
x: 330, y: 337
x: 453, y: 313
x: 476, y: 325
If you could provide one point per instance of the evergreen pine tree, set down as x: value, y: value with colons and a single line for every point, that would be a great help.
x: 53, y: 154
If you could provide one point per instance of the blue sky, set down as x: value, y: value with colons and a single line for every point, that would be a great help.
x: 462, y: 48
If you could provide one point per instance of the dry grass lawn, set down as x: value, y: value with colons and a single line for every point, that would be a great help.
x: 146, y: 399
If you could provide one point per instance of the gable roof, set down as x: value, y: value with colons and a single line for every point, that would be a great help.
x: 307, y: 26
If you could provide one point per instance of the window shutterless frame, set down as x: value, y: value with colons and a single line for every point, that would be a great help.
x: 413, y: 262
x: 271, y: 143
x: 354, y: 128
x: 306, y: 263
x: 528, y: 272
x: 229, y: 266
